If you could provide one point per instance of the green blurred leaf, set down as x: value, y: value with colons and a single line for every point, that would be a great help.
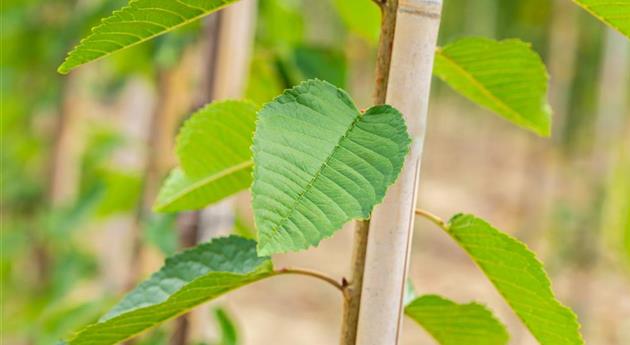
x: 319, y: 163
x: 281, y: 24
x: 121, y: 192
x: 185, y: 281
x: 507, y: 77
x: 264, y: 83
x: 213, y: 147
x: 457, y: 324
x: 161, y: 231
x: 321, y: 63
x: 139, y: 21
x: 227, y: 327
x: 519, y: 277
x: 614, y: 13
x: 362, y: 17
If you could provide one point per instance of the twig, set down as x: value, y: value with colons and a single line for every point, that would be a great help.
x: 315, y: 274
x: 433, y: 218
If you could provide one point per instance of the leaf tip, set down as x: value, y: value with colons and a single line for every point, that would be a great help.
x: 63, y: 69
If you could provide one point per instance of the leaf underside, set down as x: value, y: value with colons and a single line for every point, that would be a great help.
x: 319, y: 163
x: 456, y: 324
x: 519, y: 277
x: 139, y: 21
x: 213, y: 148
x: 507, y: 77
x: 614, y: 13
x: 185, y: 281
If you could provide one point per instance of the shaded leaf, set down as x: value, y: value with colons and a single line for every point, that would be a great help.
x: 519, y: 277
x: 139, y: 21
x: 213, y: 148
x: 319, y: 163
x: 321, y: 63
x: 614, y: 13
x: 507, y: 77
x: 456, y: 324
x: 185, y: 281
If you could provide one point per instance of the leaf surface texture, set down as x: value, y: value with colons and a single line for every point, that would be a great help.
x: 185, y: 281
x: 213, y: 148
x: 318, y: 163
x: 519, y: 277
x: 456, y: 324
x: 507, y: 77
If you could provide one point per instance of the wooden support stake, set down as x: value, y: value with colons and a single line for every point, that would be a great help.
x: 391, y: 225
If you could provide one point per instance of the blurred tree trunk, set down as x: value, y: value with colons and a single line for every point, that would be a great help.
x: 229, y: 38
x: 172, y: 102
x: 63, y: 168
x: 64, y: 162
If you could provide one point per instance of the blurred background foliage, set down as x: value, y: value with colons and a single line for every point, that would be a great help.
x: 63, y: 259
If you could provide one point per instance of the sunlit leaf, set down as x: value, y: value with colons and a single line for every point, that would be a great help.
x: 185, y: 281
x: 213, y: 148
x: 614, y: 13
x: 319, y: 163
x: 139, y: 21
x: 362, y: 17
x: 519, y: 277
x: 457, y: 324
x: 507, y: 77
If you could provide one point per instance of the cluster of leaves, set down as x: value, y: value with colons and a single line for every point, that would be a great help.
x: 317, y: 162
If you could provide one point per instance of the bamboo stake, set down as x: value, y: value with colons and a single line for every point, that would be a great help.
x: 353, y: 288
x: 391, y: 226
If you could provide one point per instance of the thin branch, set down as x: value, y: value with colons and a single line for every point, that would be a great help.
x: 315, y: 274
x: 433, y: 218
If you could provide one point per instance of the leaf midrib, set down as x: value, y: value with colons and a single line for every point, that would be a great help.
x: 308, y: 187
x: 206, y: 180
x: 601, y: 18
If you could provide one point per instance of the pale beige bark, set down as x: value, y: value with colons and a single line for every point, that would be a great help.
x: 64, y: 163
x: 392, y: 222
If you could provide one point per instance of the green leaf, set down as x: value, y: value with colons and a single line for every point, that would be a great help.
x: 614, y: 13
x: 213, y: 148
x: 227, y: 327
x: 319, y: 163
x: 507, y: 77
x: 456, y: 324
x: 519, y: 277
x: 361, y: 17
x: 185, y: 281
x: 139, y: 21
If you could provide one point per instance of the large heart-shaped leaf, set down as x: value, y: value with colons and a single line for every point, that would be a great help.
x: 185, y: 281
x: 507, y: 77
x: 614, y: 13
x: 457, y: 324
x: 319, y: 163
x: 139, y: 21
x: 213, y: 148
x: 519, y: 277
